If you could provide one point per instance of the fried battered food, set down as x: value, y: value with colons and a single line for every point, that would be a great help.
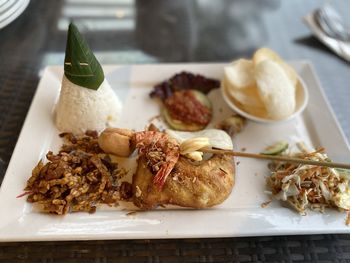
x: 167, y: 174
x: 117, y: 141
x: 195, y: 185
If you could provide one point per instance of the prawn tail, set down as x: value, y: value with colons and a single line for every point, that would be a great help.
x: 161, y: 176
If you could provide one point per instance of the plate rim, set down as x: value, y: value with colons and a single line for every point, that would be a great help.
x: 161, y: 235
x: 15, y: 13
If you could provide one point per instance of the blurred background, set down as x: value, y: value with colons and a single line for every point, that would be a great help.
x: 136, y: 31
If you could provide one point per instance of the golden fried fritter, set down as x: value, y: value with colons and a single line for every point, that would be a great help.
x: 195, y: 185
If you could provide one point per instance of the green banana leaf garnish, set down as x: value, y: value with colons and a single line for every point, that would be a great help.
x: 80, y: 65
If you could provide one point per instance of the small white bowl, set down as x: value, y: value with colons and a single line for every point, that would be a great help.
x: 302, y: 98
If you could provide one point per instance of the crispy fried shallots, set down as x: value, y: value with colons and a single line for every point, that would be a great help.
x: 78, y: 178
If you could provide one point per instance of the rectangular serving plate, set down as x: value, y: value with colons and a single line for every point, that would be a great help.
x: 240, y: 215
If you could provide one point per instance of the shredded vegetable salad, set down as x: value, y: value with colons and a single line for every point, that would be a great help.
x: 311, y: 187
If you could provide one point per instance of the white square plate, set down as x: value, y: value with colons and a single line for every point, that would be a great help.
x: 240, y: 215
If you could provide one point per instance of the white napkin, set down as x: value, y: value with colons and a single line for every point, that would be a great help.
x: 341, y: 48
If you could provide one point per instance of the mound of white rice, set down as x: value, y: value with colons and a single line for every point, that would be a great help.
x: 80, y: 109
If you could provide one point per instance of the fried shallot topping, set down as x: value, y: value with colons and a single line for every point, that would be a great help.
x: 78, y: 178
x: 160, y: 152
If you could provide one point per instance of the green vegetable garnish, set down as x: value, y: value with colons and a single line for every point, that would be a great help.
x: 80, y: 65
x: 276, y: 148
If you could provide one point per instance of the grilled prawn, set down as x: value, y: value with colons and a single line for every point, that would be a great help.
x: 164, y: 176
